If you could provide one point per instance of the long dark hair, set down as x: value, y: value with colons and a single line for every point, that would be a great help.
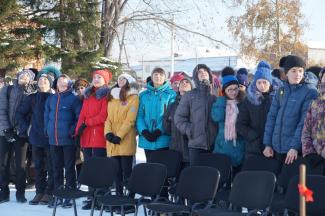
x: 123, y: 93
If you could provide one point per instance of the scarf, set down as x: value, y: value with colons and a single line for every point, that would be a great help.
x: 230, y: 122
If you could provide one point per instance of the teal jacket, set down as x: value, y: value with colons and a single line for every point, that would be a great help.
x: 235, y: 150
x: 153, y: 104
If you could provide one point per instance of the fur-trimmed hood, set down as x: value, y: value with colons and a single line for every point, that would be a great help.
x: 134, y: 90
x: 256, y: 97
x: 100, y: 92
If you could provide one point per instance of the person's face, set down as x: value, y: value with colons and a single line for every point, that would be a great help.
x: 242, y: 88
x: 232, y: 91
x: 43, y: 84
x: 184, y: 86
x: 203, y: 74
x: 295, y: 75
x: 23, y: 79
x: 80, y: 90
x: 121, y: 82
x: 175, y: 85
x: 62, y: 84
x: 263, y: 85
x: 98, y: 81
x: 158, y: 79
x: 283, y: 76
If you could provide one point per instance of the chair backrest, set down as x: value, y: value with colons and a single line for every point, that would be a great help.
x: 198, y: 183
x: 290, y: 170
x: 261, y: 163
x: 219, y: 161
x: 253, y: 189
x: 147, y: 179
x: 98, y: 172
x: 170, y: 158
x: 314, y: 182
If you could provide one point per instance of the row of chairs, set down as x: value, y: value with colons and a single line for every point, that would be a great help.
x: 196, y: 187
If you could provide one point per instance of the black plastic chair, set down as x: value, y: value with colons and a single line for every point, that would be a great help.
x: 197, y: 185
x: 261, y: 163
x: 90, y: 177
x: 251, y: 189
x: 146, y: 180
x: 314, y: 182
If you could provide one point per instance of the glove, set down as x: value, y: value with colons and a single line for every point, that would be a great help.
x: 10, y: 135
x: 81, y: 129
x: 148, y: 136
x: 156, y: 133
x: 116, y: 140
x: 109, y: 137
x: 314, y: 160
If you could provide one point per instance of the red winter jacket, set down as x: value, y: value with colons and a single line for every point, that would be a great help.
x: 93, y: 114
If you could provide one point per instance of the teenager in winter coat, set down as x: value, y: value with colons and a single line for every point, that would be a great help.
x: 15, y: 140
x: 254, y: 109
x: 90, y: 127
x: 123, y: 103
x: 193, y: 114
x: 225, y: 113
x: 179, y: 141
x: 31, y: 112
x: 153, y: 103
x: 60, y: 119
x: 313, y: 134
x: 285, y: 120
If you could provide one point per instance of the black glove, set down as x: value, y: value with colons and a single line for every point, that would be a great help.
x: 148, y: 136
x: 81, y: 129
x: 116, y: 140
x: 109, y: 137
x: 156, y: 133
x: 314, y: 160
x: 10, y: 135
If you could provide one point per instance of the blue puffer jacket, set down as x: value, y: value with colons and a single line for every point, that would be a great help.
x: 33, y: 104
x: 285, y: 119
x: 61, y: 116
x: 234, y: 149
x: 153, y: 104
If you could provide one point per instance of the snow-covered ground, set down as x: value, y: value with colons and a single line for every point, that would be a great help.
x: 13, y: 208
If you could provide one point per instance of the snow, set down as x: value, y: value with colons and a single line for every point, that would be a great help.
x: 14, y: 208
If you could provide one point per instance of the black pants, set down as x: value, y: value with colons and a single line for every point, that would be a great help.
x: 43, y: 170
x: 64, y: 158
x: 94, y: 152
x: 194, y: 155
x: 124, y: 172
x: 149, y: 152
x: 19, y: 147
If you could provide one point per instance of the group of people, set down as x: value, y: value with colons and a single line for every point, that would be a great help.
x: 281, y: 117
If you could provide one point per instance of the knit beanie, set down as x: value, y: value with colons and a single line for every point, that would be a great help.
x: 228, y: 71
x: 28, y: 72
x: 128, y: 77
x: 48, y: 77
x: 228, y: 80
x: 50, y: 70
x: 106, y: 74
x: 242, y: 76
x: 263, y: 71
x: 176, y: 77
x: 189, y: 80
x: 293, y: 61
x: 80, y: 83
x: 158, y: 70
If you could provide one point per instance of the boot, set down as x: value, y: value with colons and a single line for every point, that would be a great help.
x: 46, y: 199
x: 37, y: 198
x: 4, y: 196
x: 21, y: 198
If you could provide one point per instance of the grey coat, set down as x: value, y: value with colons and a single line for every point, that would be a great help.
x: 193, y: 115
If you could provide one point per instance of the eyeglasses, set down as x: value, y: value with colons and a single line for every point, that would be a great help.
x: 232, y: 89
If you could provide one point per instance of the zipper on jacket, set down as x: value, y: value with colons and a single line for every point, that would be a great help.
x: 56, y: 120
x: 284, y: 109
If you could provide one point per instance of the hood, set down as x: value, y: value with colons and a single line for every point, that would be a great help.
x: 100, y: 92
x: 311, y: 79
x: 195, y: 74
x: 164, y: 87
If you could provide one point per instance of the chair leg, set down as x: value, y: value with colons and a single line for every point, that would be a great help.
x: 92, y: 206
x: 55, y: 205
x: 75, y: 207
x: 101, y: 210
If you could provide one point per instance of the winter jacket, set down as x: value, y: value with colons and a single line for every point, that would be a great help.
x: 93, y: 114
x: 252, y: 118
x: 60, y: 117
x: 313, y: 134
x: 179, y: 141
x: 16, y: 96
x: 4, y: 119
x: 33, y: 105
x: 193, y: 116
x: 235, y: 150
x: 121, y: 122
x: 285, y: 119
x: 153, y: 104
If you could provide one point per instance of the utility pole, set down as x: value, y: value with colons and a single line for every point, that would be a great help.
x: 172, y: 66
